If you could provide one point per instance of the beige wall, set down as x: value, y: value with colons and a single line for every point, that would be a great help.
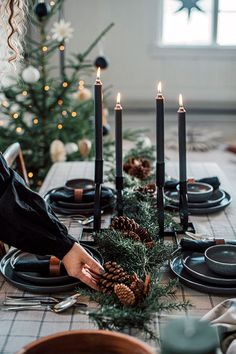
x: 135, y: 62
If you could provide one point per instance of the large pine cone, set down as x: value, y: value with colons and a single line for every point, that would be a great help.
x: 138, y: 167
x: 113, y: 275
x: 125, y: 295
x: 133, y: 236
x: 123, y: 223
x: 139, y: 172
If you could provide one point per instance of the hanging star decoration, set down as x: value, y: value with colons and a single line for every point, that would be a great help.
x: 189, y: 5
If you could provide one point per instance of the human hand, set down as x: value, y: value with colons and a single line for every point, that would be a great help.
x: 79, y: 264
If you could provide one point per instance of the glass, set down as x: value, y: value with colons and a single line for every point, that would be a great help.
x: 179, y: 29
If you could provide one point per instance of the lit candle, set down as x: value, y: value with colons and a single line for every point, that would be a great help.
x: 183, y: 199
x: 182, y: 141
x: 119, y: 159
x: 160, y: 161
x: 98, y: 115
x: 118, y: 124
x: 98, y: 151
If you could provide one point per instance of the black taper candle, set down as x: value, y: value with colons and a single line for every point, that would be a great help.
x: 160, y: 164
x: 98, y: 151
x: 62, y: 46
x: 183, y: 199
x: 119, y: 157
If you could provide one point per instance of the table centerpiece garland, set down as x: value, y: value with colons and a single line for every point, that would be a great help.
x: 133, y: 290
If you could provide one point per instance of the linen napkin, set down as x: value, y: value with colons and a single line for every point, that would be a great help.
x: 213, y: 181
x: 223, y: 316
x: 80, y: 195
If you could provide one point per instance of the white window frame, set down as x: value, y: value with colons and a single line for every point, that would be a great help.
x: 211, y: 50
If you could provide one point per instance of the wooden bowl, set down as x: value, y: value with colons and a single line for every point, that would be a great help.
x: 87, y: 342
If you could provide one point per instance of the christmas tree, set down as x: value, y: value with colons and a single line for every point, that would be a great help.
x: 48, y: 109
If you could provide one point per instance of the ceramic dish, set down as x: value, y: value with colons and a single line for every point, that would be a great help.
x: 198, y: 192
x: 79, y: 183
x: 203, y: 211
x: 195, y: 265
x: 218, y: 195
x: 221, y: 259
x: 177, y: 267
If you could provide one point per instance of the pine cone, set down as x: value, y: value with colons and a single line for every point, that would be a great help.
x: 123, y: 223
x: 125, y: 295
x: 149, y: 189
x: 114, y: 274
x: 137, y: 286
x: 139, y: 172
x: 143, y: 234
x: 147, y: 284
x: 133, y: 236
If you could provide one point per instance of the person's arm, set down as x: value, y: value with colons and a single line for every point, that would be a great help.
x: 28, y: 223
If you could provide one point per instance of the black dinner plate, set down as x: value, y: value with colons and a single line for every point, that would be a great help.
x: 203, y: 211
x: 195, y: 265
x: 11, y: 276
x: 75, y: 208
x: 177, y: 267
x: 217, y: 196
x: 38, y: 278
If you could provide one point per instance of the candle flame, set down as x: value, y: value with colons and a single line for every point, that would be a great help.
x: 98, y: 73
x: 159, y: 87
x: 181, y: 104
x: 118, y: 98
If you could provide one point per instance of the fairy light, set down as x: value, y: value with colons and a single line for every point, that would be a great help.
x: 81, y: 84
x: 73, y: 114
x: 65, y: 84
x: 24, y: 93
x: 15, y: 115
x: 44, y: 48
x: 46, y: 88
x: 59, y: 126
x: 52, y: 3
x: 35, y: 121
x: 62, y: 48
x: 30, y: 175
x: 18, y: 129
x: 1, y: 123
x: 64, y: 113
x: 60, y: 102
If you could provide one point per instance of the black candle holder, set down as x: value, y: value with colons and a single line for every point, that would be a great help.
x: 160, y: 182
x: 119, y: 189
x: 183, y: 205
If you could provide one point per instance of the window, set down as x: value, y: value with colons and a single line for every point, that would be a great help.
x: 214, y: 26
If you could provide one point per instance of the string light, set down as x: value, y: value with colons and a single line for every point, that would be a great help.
x: 65, y: 84
x: 1, y: 123
x: 18, y: 129
x: 60, y: 102
x: 44, y: 48
x: 35, y: 121
x: 61, y: 47
x: 15, y: 115
x: 59, y: 126
x: 52, y: 3
x: 64, y: 113
x: 73, y: 114
x: 25, y: 93
x: 30, y: 174
x: 81, y: 84
x: 46, y: 88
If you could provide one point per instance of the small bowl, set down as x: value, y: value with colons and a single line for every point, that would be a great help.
x: 79, y: 183
x: 198, y: 192
x: 222, y: 259
x: 87, y: 342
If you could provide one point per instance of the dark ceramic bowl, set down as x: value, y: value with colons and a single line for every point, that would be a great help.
x: 198, y: 192
x: 79, y: 183
x: 87, y: 342
x: 222, y: 259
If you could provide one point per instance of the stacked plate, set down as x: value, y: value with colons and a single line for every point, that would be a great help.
x: 72, y: 207
x: 202, y: 199
x: 35, y: 281
x: 192, y: 270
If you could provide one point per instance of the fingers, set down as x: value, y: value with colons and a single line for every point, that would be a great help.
x: 94, y: 266
x: 87, y: 278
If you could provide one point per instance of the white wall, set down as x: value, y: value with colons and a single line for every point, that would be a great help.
x: 205, y: 79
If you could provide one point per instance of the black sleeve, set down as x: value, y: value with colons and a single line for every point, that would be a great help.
x: 26, y: 221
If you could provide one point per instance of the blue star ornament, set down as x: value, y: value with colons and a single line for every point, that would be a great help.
x: 189, y: 5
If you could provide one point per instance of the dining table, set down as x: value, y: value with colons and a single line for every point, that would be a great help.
x: 18, y: 328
